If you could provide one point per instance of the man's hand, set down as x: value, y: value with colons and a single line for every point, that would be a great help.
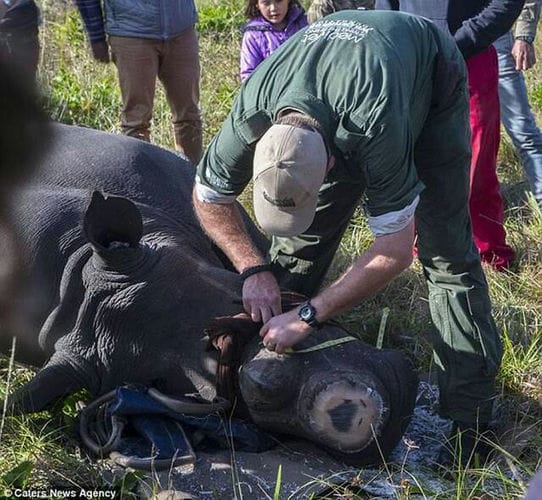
x: 261, y: 297
x: 284, y: 331
x: 524, y: 55
x: 100, y: 51
x: 224, y: 225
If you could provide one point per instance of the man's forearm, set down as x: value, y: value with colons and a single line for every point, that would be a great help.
x: 387, y: 257
x: 224, y: 225
x: 479, y: 32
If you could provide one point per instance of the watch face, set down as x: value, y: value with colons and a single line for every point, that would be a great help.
x: 306, y: 312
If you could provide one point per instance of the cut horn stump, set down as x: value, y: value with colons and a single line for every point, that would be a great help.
x: 343, y: 416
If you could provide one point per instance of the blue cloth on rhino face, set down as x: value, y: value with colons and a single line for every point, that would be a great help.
x: 153, y: 429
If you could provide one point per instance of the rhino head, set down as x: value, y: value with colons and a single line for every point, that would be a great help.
x: 133, y: 305
x: 350, y: 398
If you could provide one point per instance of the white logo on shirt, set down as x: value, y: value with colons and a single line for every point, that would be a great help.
x: 351, y: 31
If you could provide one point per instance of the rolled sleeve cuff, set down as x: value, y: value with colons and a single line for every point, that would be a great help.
x: 393, y: 222
x: 208, y: 195
x: 527, y: 22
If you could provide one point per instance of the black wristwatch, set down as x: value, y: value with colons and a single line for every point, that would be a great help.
x: 307, y: 313
x: 526, y: 38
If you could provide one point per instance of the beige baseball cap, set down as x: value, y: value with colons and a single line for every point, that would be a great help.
x: 290, y: 164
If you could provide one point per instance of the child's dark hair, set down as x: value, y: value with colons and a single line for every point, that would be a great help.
x: 252, y: 11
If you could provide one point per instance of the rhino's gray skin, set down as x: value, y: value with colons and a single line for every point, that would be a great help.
x: 120, y: 291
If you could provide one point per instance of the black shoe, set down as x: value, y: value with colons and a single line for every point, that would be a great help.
x: 468, y: 444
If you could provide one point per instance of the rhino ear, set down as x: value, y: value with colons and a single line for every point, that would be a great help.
x: 111, y: 219
x: 50, y: 384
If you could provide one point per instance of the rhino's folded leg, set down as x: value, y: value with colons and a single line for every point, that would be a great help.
x: 51, y: 383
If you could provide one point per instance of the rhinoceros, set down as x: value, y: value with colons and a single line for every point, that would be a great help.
x: 121, y: 285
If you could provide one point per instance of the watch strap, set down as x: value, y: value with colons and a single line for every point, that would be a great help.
x: 312, y: 322
x: 249, y: 271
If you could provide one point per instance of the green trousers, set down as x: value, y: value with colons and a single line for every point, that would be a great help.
x: 466, y: 342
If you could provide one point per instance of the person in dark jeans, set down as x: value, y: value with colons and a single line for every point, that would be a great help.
x: 516, y: 53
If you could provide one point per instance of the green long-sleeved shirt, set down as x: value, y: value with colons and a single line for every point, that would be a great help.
x: 367, y: 77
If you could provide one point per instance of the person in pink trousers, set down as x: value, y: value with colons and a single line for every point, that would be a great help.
x: 475, y: 25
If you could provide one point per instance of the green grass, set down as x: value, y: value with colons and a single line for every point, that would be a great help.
x: 41, y: 450
x: 216, y: 17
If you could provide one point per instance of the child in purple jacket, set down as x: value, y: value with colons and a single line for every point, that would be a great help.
x: 271, y: 23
